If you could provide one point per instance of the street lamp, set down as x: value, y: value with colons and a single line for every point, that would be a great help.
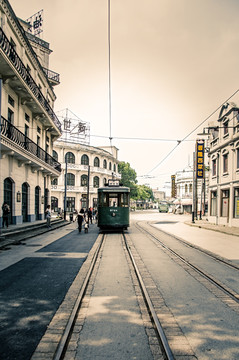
x: 65, y: 187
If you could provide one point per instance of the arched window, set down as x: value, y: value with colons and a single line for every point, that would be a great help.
x: 96, y: 182
x: 84, y: 160
x: 186, y: 188
x: 96, y: 162
x: 84, y: 180
x: 70, y: 179
x: 110, y: 166
x: 105, y: 164
x: 190, y: 188
x: 70, y: 158
x: 114, y: 168
x: 55, y: 155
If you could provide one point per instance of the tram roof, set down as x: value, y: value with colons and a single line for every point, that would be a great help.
x: 114, y: 189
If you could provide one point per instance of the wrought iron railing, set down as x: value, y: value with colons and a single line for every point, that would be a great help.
x: 52, y: 75
x: 10, y: 52
x: 19, y: 138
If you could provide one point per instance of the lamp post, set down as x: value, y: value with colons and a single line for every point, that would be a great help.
x: 88, y: 189
x: 65, y: 194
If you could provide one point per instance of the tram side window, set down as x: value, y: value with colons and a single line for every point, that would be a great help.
x: 102, y: 199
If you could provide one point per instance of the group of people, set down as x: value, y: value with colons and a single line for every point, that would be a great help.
x: 87, y: 217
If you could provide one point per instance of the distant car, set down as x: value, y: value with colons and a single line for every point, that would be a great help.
x: 163, y: 206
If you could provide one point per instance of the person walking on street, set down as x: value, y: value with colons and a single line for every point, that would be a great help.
x: 90, y: 215
x: 5, y: 213
x: 48, y: 216
x: 80, y: 218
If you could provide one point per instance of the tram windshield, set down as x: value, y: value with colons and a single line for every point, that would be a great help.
x: 114, y: 199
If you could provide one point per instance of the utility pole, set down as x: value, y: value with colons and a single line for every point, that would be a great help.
x: 88, y: 189
x: 65, y: 188
x: 194, y: 178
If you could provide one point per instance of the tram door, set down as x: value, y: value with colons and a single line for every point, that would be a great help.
x: 8, y: 196
x: 24, y: 202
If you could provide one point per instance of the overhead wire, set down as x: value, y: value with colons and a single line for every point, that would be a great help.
x: 191, y: 132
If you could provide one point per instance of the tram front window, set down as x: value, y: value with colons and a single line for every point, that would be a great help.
x: 113, y: 200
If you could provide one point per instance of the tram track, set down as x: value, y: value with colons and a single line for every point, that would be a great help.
x: 217, y: 287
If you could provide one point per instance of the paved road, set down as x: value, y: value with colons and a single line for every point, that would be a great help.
x: 219, y: 243
x: 34, y: 279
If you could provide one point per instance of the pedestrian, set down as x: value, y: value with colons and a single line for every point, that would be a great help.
x: 48, y: 216
x: 90, y: 215
x: 5, y: 213
x: 80, y: 218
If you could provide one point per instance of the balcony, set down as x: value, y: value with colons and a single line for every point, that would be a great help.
x: 26, y: 150
x: 31, y: 93
x: 52, y: 76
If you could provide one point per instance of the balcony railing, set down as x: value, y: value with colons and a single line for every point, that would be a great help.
x: 52, y: 76
x: 10, y: 52
x: 19, y: 138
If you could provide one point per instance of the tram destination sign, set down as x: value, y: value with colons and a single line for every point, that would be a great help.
x: 113, y: 182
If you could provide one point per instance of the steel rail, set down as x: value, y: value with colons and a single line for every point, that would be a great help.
x: 198, y: 248
x: 221, y: 286
x: 62, y: 346
x: 158, y: 327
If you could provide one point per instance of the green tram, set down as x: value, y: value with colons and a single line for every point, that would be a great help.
x: 113, y: 206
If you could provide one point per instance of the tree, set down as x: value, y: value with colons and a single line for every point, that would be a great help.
x: 128, y: 177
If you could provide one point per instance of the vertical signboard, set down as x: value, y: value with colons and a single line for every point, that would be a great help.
x: 173, y: 187
x: 200, y: 159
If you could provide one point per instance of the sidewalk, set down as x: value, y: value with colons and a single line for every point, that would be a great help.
x: 204, y: 224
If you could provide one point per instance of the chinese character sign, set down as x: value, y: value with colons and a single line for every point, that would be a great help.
x: 36, y: 23
x: 200, y: 160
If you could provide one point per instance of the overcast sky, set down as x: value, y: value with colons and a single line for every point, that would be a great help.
x: 173, y: 62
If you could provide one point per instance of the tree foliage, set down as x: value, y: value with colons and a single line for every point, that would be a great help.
x: 129, y: 179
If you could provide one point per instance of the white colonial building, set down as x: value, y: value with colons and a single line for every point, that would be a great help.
x: 28, y: 123
x: 224, y: 167
x: 80, y: 162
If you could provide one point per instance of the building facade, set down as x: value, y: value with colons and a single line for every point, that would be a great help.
x: 29, y: 125
x: 224, y: 167
x: 80, y: 162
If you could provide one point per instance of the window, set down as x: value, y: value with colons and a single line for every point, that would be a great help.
x: 10, y: 115
x: 38, y: 130
x: 105, y: 181
x: 96, y: 162
x: 105, y: 164
x: 11, y: 101
x: 214, y: 167
x: 84, y: 160
x: 238, y: 158
x: 54, y: 181
x: 96, y: 182
x: 186, y: 188
x: 225, y: 203
x: 70, y: 179
x: 27, y: 117
x: 110, y: 166
x: 213, y: 203
x: 70, y: 158
x: 84, y: 180
x: 55, y: 155
x: 225, y: 163
x: 225, y: 128
x: 190, y: 188
x: 70, y: 204
x: 114, y: 168
x: 236, y: 203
